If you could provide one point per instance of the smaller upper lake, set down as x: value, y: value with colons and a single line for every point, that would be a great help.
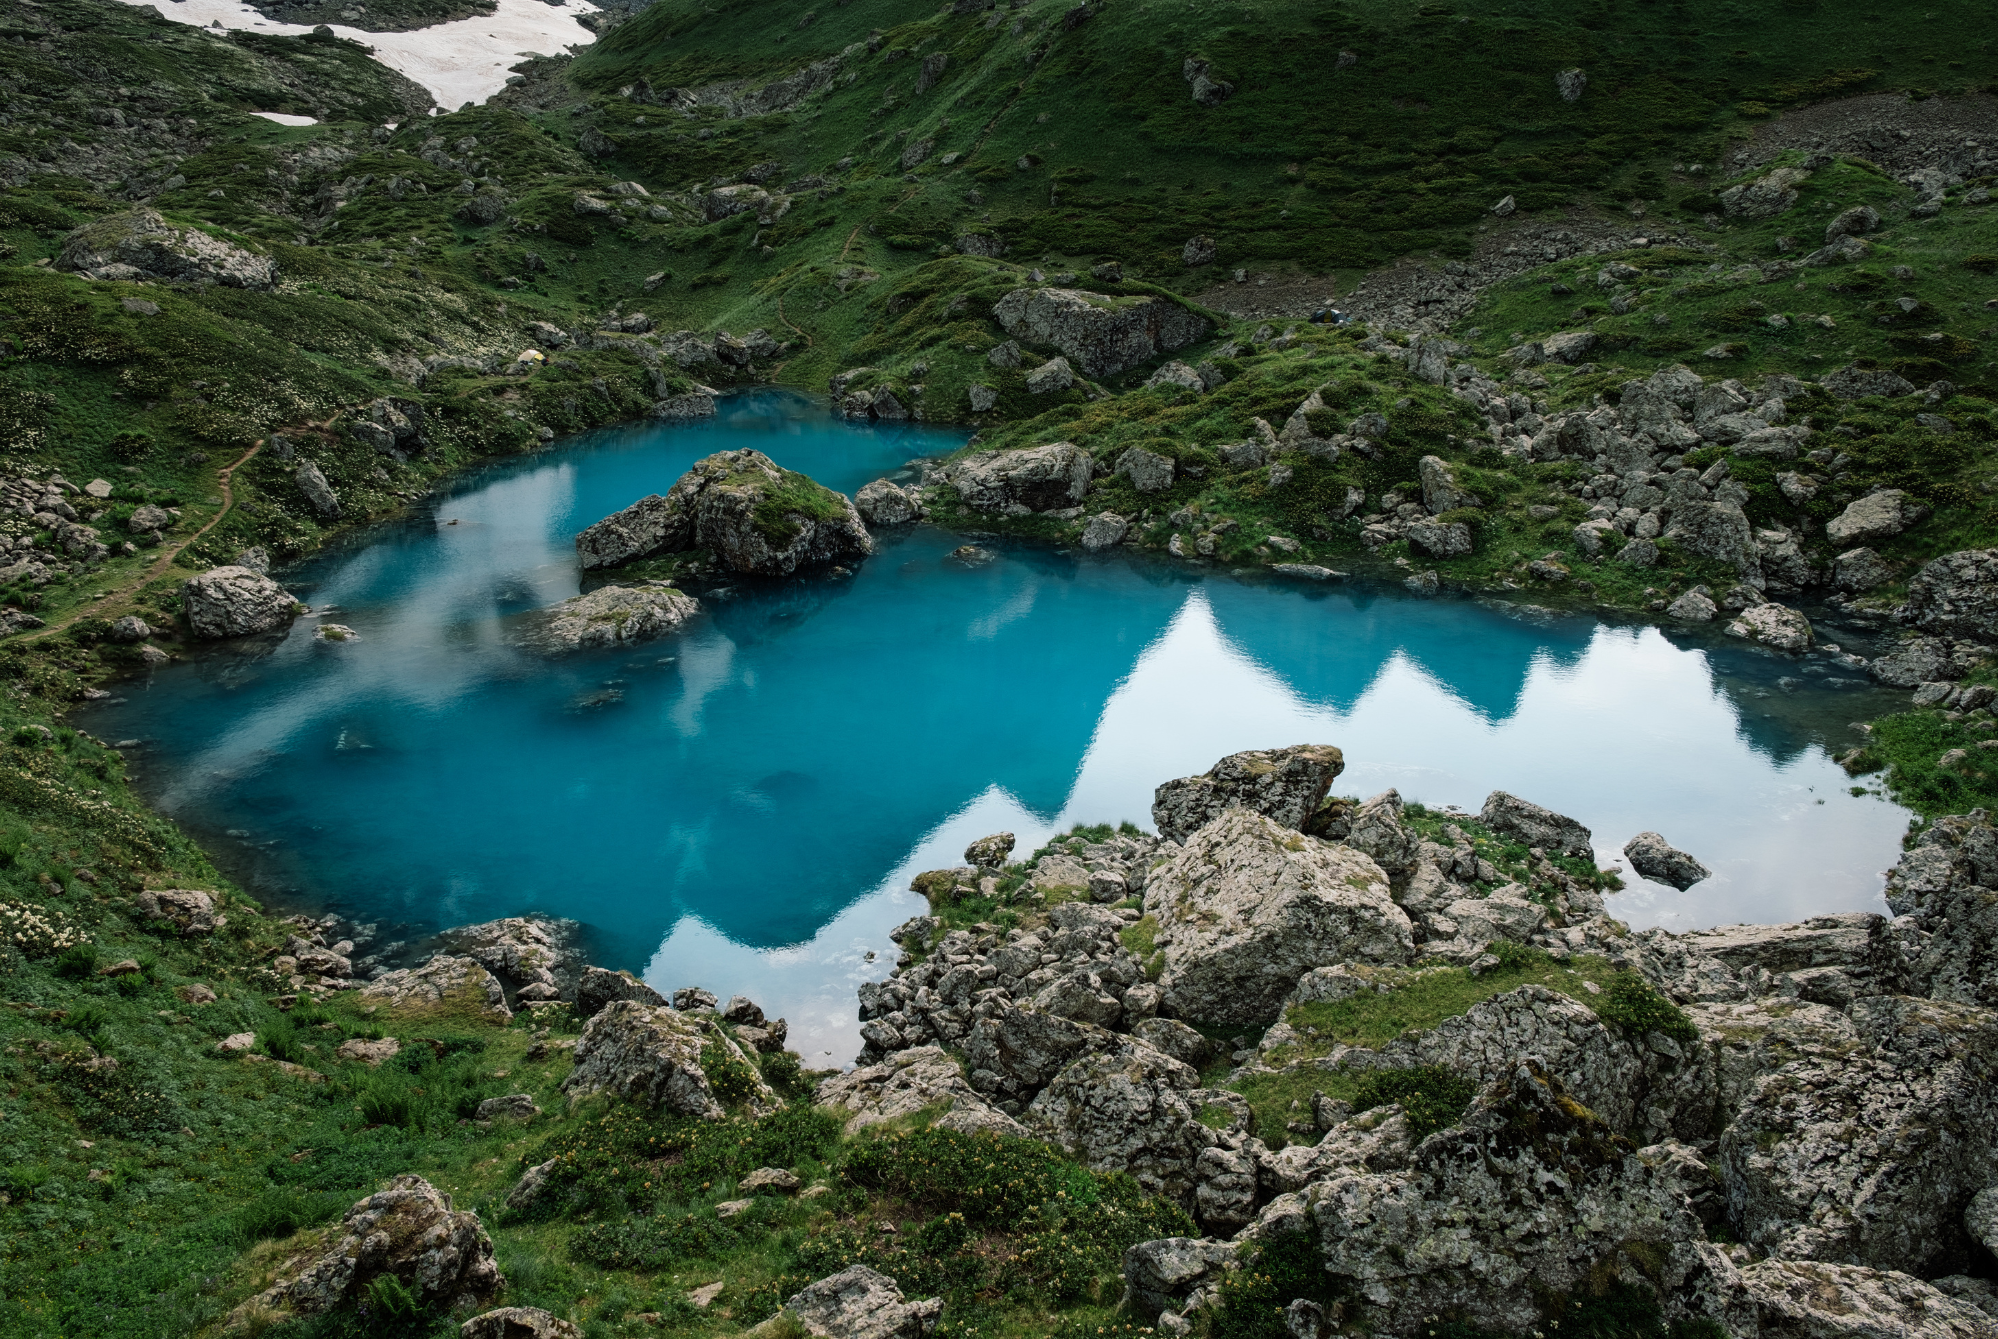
x: 742, y: 806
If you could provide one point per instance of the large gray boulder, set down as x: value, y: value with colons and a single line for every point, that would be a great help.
x: 1868, y: 1158
x: 1875, y: 517
x: 1949, y: 880
x: 141, y: 244
x: 1854, y: 382
x: 1655, y: 858
x: 1102, y: 335
x: 1802, y: 1299
x: 235, y: 602
x: 407, y: 1230
x: 1250, y: 905
x: 922, y: 1078
x: 611, y: 616
x: 1127, y: 1111
x: 1035, y: 478
x: 1476, y: 1227
x: 758, y: 519
x: 885, y: 503
x: 1956, y: 595
x: 1023, y: 1049
x: 599, y: 987
x: 652, y: 1057
x: 1159, y: 1275
x: 534, y: 957
x: 1286, y: 785
x: 1717, y: 530
x: 1522, y: 820
x: 861, y: 1303
x: 446, y: 987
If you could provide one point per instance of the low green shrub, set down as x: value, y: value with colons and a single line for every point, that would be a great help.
x: 1434, y: 1098
x: 651, y: 1243
x: 1274, y: 1273
x: 1631, y: 1004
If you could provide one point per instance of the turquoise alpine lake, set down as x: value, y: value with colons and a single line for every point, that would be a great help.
x: 742, y: 806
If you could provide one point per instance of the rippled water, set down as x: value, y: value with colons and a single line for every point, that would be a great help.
x: 742, y: 807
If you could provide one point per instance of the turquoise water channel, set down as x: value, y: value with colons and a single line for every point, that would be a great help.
x: 742, y: 806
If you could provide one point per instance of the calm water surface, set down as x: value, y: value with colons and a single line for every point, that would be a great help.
x: 742, y: 807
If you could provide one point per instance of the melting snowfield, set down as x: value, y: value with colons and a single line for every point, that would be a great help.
x: 466, y: 61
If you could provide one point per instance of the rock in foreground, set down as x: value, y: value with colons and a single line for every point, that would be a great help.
x: 235, y: 602
x: 1285, y: 785
x: 861, y: 1303
x: 758, y: 519
x: 660, y: 1058
x: 444, y: 987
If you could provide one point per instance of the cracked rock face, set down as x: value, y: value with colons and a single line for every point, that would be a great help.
x: 1955, y: 595
x: 1286, y: 785
x: 1249, y: 906
x: 408, y: 1230
x: 235, y: 602
x: 651, y: 1056
x: 905, y: 1083
x: 1127, y: 1111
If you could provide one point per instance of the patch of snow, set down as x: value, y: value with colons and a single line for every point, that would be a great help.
x: 465, y: 61
x: 286, y: 118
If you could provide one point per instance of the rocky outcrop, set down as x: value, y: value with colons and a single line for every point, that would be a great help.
x: 141, y: 244
x: 1101, y: 335
x: 444, y: 987
x: 1955, y: 595
x: 861, y: 1303
x: 757, y: 518
x: 518, y: 1322
x: 1250, y: 905
x: 922, y: 1078
x: 610, y: 616
x: 1655, y: 858
x: 1127, y: 1111
x: 1285, y: 785
x: 1838, y: 957
x: 407, y: 1230
x: 883, y: 503
x: 1948, y: 884
x: 534, y: 957
x: 235, y: 602
x: 1035, y: 478
x: 599, y: 987
x: 1522, y: 820
x: 647, y: 1055
x: 1161, y: 1275
x: 1795, y: 1299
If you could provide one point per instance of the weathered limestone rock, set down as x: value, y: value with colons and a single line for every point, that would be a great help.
x: 905, y: 1083
x: 1377, y: 1140
x: 1800, y: 1299
x: 1510, y: 816
x: 1148, y: 471
x: 1102, y: 335
x: 235, y: 602
x: 1776, y: 626
x: 1286, y: 785
x: 409, y: 1230
x: 141, y: 244
x: 611, y: 616
x: 1159, y: 1275
x: 1949, y: 882
x: 444, y: 987
x: 1470, y: 1229
x: 860, y: 1303
x: 885, y: 503
x: 757, y: 518
x: 1127, y: 1112
x: 653, y: 1057
x: 1023, y: 1049
x: 524, y: 952
x: 1038, y: 478
x: 1735, y: 962
x: 1956, y: 595
x: 518, y: 1322
x: 1105, y: 530
x: 1249, y: 906
x: 1175, y: 1039
x: 1875, y: 517
x: 192, y: 910
x: 599, y: 987
x: 1655, y: 858
x: 311, y: 482
x: 1805, y: 1184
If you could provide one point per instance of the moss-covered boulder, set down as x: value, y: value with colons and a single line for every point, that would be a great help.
x: 142, y: 244
x: 757, y: 518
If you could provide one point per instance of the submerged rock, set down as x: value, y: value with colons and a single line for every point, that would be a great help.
x: 758, y: 519
x: 1250, y: 905
x: 1655, y: 858
x: 611, y: 616
x: 235, y: 602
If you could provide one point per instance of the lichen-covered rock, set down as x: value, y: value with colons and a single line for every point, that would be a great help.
x: 611, y: 616
x: 524, y: 952
x: 1776, y: 626
x: 1377, y: 1140
x: 1038, y: 478
x: 192, y: 910
x: 1022, y: 1049
x: 1655, y: 858
x: 1869, y: 1157
x: 518, y: 1322
x: 1476, y: 1227
x: 444, y: 987
x: 885, y: 503
x: 141, y: 244
x: 1875, y: 517
x: 758, y: 519
x: 1375, y: 829
x: 1286, y: 785
x: 1955, y: 595
x: 409, y: 1230
x: 653, y: 1057
x: 1248, y: 906
x: 1103, y: 335
x: 1949, y: 881
x: 1159, y: 1275
x: 861, y: 1303
x: 235, y: 602
x: 1801, y: 1299
x: 1736, y: 962
x: 1522, y: 820
x: 598, y: 987
x: 1127, y: 1111
x: 918, y: 1079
